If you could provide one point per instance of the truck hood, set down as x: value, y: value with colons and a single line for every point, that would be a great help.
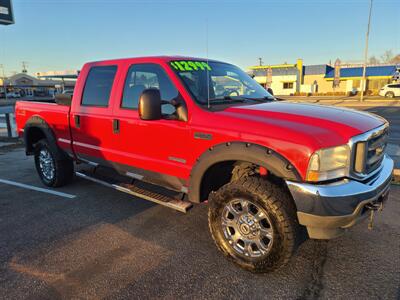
x: 326, y: 125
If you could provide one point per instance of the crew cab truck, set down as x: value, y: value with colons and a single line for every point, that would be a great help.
x: 273, y: 172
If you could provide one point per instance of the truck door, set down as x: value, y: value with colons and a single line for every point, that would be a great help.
x: 155, y: 149
x: 91, y: 115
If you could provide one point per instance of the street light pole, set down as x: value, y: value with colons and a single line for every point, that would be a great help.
x: 4, y: 82
x: 363, y: 80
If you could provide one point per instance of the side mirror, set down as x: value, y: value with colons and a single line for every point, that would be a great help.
x: 150, y: 104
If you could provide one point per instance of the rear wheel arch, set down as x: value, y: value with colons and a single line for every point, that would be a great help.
x: 214, y: 168
x: 36, y: 129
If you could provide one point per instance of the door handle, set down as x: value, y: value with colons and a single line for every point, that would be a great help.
x: 116, y: 126
x: 77, y: 120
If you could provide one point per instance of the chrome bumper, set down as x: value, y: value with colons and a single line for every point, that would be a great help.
x: 328, y: 209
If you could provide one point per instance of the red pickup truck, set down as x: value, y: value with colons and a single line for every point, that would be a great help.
x: 181, y: 130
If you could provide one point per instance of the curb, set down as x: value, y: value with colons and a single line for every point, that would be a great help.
x: 10, y: 143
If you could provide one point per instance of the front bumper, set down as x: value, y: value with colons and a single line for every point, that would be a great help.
x: 327, y: 210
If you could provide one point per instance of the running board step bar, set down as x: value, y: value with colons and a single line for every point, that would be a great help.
x: 179, y: 205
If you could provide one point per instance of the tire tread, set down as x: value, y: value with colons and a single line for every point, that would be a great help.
x: 281, y: 205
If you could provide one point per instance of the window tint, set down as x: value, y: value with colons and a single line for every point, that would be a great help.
x: 98, y: 86
x: 394, y: 85
x: 144, y: 76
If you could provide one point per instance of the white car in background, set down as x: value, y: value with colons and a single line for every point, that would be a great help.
x: 390, y: 90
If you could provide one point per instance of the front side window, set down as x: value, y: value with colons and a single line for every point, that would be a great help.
x: 218, y: 83
x: 145, y: 76
x: 98, y: 86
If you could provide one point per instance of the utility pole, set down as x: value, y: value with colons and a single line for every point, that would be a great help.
x: 260, y: 61
x: 4, y: 82
x: 24, y: 67
x: 363, y: 80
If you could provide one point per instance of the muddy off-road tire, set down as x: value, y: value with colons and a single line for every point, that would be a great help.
x: 254, y: 223
x: 242, y: 170
x: 55, y: 169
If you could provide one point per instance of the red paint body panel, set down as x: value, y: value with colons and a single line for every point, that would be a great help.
x: 293, y: 130
x: 56, y: 116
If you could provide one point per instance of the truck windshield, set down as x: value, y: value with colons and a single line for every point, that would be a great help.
x: 219, y: 83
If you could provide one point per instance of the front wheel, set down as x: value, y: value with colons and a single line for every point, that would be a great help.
x: 389, y: 95
x: 254, y: 223
x: 54, y: 167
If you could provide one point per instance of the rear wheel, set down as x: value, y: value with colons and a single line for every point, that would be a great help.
x: 254, y: 223
x: 54, y: 167
x: 389, y: 95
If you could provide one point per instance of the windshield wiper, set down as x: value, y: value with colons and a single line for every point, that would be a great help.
x: 227, y: 99
x: 239, y: 99
x: 261, y: 100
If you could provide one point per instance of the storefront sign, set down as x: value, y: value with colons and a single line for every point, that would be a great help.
x: 269, y: 77
x: 336, y: 79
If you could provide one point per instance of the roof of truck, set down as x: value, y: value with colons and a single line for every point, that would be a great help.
x: 164, y: 58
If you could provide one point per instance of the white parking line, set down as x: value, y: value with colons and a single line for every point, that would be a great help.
x: 34, y: 188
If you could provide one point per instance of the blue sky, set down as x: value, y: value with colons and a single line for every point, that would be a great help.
x: 63, y: 34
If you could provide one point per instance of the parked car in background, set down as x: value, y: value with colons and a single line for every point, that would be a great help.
x: 13, y: 95
x: 390, y: 90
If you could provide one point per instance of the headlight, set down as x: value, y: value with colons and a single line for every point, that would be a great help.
x: 329, y: 163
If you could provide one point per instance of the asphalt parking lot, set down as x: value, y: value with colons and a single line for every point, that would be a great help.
x: 92, y: 242
x: 392, y: 114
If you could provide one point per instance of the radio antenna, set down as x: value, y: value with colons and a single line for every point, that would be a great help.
x: 207, y: 72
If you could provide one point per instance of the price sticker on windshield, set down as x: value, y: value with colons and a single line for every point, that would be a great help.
x: 190, y: 65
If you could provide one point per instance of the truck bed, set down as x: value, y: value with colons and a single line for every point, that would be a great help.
x: 56, y: 116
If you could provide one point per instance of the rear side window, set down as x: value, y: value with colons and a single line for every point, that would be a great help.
x: 144, y: 76
x: 98, y: 86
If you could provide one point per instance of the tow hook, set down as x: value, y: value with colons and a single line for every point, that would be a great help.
x: 373, y: 207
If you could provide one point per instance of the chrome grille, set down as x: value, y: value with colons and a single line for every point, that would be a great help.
x: 369, y: 150
x: 375, y: 151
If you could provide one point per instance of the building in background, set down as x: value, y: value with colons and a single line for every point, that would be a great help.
x: 299, y: 79
x: 377, y: 76
x: 286, y: 78
x: 314, y: 79
x: 28, y: 86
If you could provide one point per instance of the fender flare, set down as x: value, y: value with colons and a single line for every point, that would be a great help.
x: 38, y: 122
x: 239, y: 151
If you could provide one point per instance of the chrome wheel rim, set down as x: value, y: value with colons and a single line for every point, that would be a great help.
x: 46, y: 164
x: 247, y: 228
